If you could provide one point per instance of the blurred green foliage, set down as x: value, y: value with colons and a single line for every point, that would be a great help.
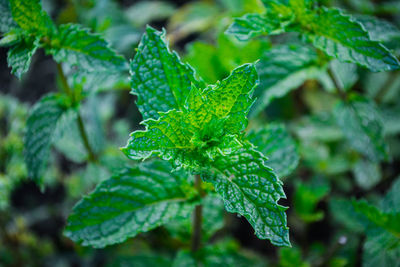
x: 338, y: 121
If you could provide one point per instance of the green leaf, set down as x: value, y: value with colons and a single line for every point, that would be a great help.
x: 381, y: 249
x: 253, y: 25
x: 6, y: 21
x: 340, y: 36
x: 281, y: 69
x: 250, y: 188
x: 134, y: 201
x: 362, y: 126
x: 77, y: 46
x: 367, y: 173
x: 390, y: 221
x: 184, y: 259
x: 306, y: 199
x: 39, y: 135
x: 30, y: 16
x: 159, y: 79
x: 19, y: 57
x: 208, y: 125
x: 378, y: 29
x: 291, y: 257
x: 345, y: 74
x: 278, y: 146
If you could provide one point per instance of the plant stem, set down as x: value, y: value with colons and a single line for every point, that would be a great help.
x: 81, y: 126
x: 385, y: 87
x: 64, y: 82
x: 339, y: 89
x: 82, y: 131
x: 198, y: 217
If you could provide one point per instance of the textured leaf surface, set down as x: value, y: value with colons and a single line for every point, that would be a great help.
x: 362, y: 126
x: 30, y: 16
x: 341, y: 37
x: 282, y: 69
x: 134, y: 201
x: 90, y: 52
x: 278, y: 146
x: 19, y: 57
x: 208, y: 124
x: 159, y: 79
x: 39, y: 135
x: 251, y: 189
x: 253, y: 25
x: 6, y: 20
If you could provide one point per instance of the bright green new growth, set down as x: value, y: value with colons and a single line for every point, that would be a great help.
x: 202, y: 130
x: 136, y: 200
x: 328, y: 29
x: 209, y: 124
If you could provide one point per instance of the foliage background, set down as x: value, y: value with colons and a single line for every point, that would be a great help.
x: 324, y: 228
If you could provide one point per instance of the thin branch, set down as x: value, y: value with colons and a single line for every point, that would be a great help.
x: 81, y: 126
x: 339, y: 88
x: 198, y: 218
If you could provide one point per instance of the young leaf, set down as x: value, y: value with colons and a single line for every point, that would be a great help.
x: 90, y: 52
x: 30, y: 16
x: 278, y: 146
x: 253, y: 25
x: 6, y: 21
x: 281, y: 69
x: 251, y: 189
x: 362, y: 126
x: 159, y: 79
x: 342, y: 37
x: 19, y: 56
x: 207, y: 124
x: 41, y: 126
x: 134, y: 201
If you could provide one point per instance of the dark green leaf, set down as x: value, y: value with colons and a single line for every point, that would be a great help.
x: 6, y: 21
x: 39, y: 135
x: 341, y: 37
x: 278, y: 146
x: 281, y: 69
x: 159, y: 79
x: 378, y: 29
x: 362, y: 126
x: 90, y: 52
x: 134, y: 201
x: 253, y: 25
x: 367, y: 173
x: 251, y: 189
x: 19, y: 57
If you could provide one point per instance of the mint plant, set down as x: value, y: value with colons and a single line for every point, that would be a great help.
x: 198, y: 129
x: 29, y: 28
x: 238, y: 97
